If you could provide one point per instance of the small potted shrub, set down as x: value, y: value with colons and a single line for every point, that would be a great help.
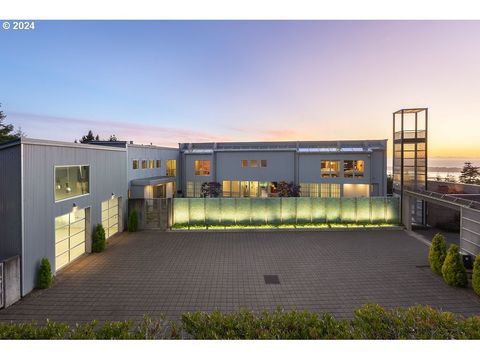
x: 44, y: 274
x: 98, y: 243
x: 133, y: 221
x: 476, y: 275
x: 453, y: 270
x: 437, y: 253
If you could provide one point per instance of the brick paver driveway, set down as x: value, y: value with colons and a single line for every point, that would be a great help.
x: 153, y: 272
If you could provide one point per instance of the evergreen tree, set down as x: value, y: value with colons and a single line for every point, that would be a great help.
x: 7, y: 130
x: 470, y: 174
x: 89, y: 137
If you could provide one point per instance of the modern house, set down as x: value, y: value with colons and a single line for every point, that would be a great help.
x: 254, y: 169
x: 52, y: 194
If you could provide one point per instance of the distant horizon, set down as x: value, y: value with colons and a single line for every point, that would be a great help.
x: 165, y: 82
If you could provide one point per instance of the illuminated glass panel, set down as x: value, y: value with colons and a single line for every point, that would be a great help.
x: 263, y: 163
x: 69, y: 237
x: 144, y: 164
x: 353, y: 168
x: 244, y: 163
x: 110, y: 216
x: 135, y: 164
x: 159, y: 163
x: 227, y: 188
x: 151, y: 164
x: 253, y: 163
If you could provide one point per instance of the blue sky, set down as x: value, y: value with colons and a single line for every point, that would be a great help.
x: 173, y: 81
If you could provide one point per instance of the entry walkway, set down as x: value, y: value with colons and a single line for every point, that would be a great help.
x: 174, y: 272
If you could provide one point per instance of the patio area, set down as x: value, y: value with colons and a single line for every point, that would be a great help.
x: 153, y: 272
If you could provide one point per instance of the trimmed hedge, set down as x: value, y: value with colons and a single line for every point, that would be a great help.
x: 98, y: 241
x: 44, y: 274
x: 476, y: 275
x: 133, y: 221
x: 370, y: 321
x: 453, y: 270
x: 437, y: 253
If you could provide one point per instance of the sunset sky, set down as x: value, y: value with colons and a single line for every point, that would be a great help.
x: 178, y: 81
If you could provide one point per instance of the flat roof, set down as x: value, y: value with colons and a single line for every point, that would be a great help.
x: 410, y: 111
x: 29, y: 141
x: 129, y: 144
x: 298, y: 146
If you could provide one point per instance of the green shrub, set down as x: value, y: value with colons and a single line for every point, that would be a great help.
x: 453, y: 270
x: 370, y: 321
x: 133, y: 221
x: 44, y: 274
x: 437, y: 253
x: 476, y: 275
x: 98, y: 242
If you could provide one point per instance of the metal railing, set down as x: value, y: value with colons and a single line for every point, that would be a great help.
x: 449, y: 198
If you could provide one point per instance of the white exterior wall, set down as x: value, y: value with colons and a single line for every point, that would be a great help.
x: 280, y: 166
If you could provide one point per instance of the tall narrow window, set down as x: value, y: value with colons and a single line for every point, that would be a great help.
x: 171, y: 167
x: 144, y: 164
x: 235, y: 188
x: 263, y: 163
x: 253, y: 163
x: 202, y: 167
x: 135, y: 164
x: 227, y: 190
x: 150, y: 164
x: 244, y: 163
x: 159, y: 163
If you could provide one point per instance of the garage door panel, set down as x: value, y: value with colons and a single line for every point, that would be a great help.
x: 77, y: 251
x: 61, y: 247
x: 110, y: 210
x: 61, y: 260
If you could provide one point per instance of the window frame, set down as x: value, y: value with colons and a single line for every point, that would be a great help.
x: 263, y: 163
x: 202, y: 171
x: 133, y: 164
x: 76, y: 196
x: 158, y: 163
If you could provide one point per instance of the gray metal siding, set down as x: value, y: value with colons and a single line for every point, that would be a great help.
x: 150, y: 153
x: 280, y: 166
x: 10, y: 202
x: 107, y: 175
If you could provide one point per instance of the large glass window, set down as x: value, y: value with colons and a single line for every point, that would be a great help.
x: 135, y: 164
x: 227, y: 189
x: 353, y: 168
x: 202, y: 167
x: 171, y: 167
x: 71, y: 181
x: 330, y: 190
x: 330, y: 168
x: 110, y: 216
x: 194, y: 189
x: 69, y: 237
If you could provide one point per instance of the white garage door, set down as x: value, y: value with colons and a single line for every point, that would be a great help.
x: 110, y: 216
x: 69, y: 237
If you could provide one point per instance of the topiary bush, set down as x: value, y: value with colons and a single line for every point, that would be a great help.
x: 453, y: 270
x: 476, y: 275
x: 44, y: 274
x: 98, y: 242
x: 437, y: 253
x: 133, y: 221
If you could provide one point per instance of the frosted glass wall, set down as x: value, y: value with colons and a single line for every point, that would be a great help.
x: 259, y: 211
